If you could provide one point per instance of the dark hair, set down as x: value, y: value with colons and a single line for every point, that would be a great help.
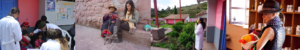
x: 44, y: 18
x: 202, y: 23
x: 14, y: 10
x: 60, y: 37
x: 24, y: 32
x: 130, y: 2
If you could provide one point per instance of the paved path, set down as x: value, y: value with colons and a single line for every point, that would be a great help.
x: 88, y: 38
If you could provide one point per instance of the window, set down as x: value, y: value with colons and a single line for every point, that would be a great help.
x: 238, y: 11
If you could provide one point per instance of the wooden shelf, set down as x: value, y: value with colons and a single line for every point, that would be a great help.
x: 289, y: 34
x: 287, y: 12
x: 297, y: 13
x: 296, y: 35
x: 253, y: 11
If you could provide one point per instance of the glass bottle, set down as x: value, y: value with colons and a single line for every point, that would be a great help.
x: 298, y: 30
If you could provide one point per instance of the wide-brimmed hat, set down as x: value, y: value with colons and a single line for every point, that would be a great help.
x: 112, y: 6
x: 270, y: 6
x: 26, y: 24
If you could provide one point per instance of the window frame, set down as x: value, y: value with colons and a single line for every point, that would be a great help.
x: 243, y: 8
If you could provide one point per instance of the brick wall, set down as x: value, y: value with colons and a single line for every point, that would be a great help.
x: 90, y: 12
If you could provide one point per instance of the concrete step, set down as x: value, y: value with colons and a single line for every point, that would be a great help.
x: 140, y: 37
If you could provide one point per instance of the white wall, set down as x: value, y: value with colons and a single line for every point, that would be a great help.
x: 41, y: 8
x: 51, y: 16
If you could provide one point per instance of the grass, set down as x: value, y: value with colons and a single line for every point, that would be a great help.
x: 161, y: 26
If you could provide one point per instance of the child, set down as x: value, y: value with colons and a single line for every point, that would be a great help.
x: 109, y: 19
x: 38, y: 42
x: 25, y: 40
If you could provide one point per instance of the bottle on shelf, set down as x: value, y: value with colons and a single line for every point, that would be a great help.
x: 287, y: 8
x: 298, y: 30
x: 289, y: 30
x: 259, y: 26
x: 255, y: 4
x: 253, y: 8
x: 298, y: 8
x: 291, y: 8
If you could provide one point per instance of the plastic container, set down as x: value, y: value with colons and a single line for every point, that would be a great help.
x: 298, y: 30
x: 259, y: 25
x: 289, y: 30
x: 298, y: 11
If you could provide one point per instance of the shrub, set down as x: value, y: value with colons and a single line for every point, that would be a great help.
x: 189, y: 29
x: 178, y: 26
x: 188, y: 46
x: 173, y: 47
x: 193, y: 37
x: 184, y: 38
x: 160, y: 44
x: 173, y: 34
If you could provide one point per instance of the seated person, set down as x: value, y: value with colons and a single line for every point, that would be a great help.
x: 109, y: 19
x: 131, y: 18
x: 24, y: 43
x: 38, y: 42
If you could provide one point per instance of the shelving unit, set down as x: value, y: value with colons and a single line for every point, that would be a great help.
x: 291, y: 19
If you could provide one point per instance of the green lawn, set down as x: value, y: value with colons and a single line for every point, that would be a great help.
x: 161, y: 26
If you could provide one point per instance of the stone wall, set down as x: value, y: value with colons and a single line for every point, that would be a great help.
x: 90, y: 12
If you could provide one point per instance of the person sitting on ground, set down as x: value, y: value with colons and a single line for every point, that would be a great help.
x: 38, y: 42
x: 109, y: 19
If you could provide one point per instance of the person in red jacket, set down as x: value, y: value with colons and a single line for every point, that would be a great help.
x: 24, y: 43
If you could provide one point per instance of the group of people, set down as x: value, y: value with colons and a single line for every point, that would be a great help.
x: 46, y: 36
x: 127, y: 23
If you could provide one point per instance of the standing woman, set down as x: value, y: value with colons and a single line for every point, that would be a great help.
x: 273, y: 35
x: 131, y: 17
x: 199, y: 33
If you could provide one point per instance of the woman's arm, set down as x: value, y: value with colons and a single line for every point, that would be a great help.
x: 198, y: 29
x: 136, y: 17
x: 266, y: 36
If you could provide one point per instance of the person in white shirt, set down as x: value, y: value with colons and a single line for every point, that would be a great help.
x: 199, y: 33
x: 10, y: 31
x: 44, y: 26
x: 51, y: 44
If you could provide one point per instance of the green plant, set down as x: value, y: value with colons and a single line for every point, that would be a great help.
x: 173, y: 34
x: 178, y: 26
x: 184, y: 38
x: 160, y: 44
x: 193, y: 38
x: 173, y: 47
x: 173, y: 40
x: 189, y: 28
x: 188, y: 46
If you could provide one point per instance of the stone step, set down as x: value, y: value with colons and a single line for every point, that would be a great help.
x: 140, y: 37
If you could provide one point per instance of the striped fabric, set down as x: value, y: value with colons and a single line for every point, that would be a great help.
x: 275, y: 21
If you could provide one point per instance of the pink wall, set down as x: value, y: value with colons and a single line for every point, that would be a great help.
x: 28, y: 11
x: 170, y: 21
x: 219, y: 11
